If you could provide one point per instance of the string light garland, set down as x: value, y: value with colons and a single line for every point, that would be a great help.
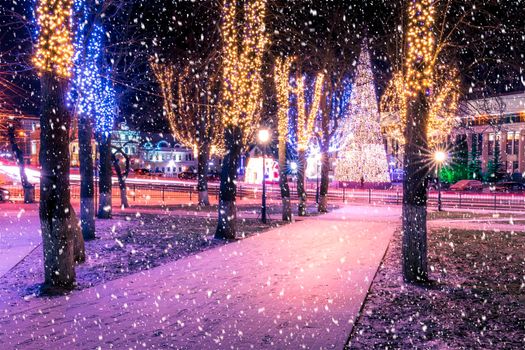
x: 363, y: 157
x: 341, y: 100
x: 393, y: 108
x: 191, y: 121
x: 306, y: 119
x: 282, y: 84
x: 105, y: 107
x: 54, y: 48
x: 242, y: 64
x: 420, y: 57
x: 443, y: 106
x: 92, y: 93
x: 166, y: 78
x: 438, y: 82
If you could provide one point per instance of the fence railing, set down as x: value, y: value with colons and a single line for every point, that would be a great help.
x: 176, y: 193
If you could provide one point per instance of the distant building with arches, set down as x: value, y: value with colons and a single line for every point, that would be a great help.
x: 164, y: 155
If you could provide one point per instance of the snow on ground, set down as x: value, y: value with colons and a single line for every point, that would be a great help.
x: 296, y: 286
x: 128, y: 244
x: 475, y: 301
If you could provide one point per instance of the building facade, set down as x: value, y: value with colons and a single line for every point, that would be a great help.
x: 166, y: 157
x: 501, y: 120
x: 483, y: 122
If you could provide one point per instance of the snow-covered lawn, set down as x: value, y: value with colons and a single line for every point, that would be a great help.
x: 126, y: 245
x: 476, y: 299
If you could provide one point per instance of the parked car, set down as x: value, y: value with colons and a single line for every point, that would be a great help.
x: 214, y: 176
x: 507, y: 186
x: 4, y: 195
x: 142, y: 172
x: 187, y: 175
x: 434, y: 185
x: 467, y: 185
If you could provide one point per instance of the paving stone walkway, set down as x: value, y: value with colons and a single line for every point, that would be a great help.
x: 298, y: 286
x: 19, y: 233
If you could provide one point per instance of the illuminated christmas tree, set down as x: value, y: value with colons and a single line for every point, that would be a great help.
x: 363, y: 158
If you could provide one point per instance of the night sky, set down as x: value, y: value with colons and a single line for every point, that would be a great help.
x: 489, y: 44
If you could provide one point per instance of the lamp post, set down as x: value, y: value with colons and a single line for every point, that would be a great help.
x: 317, y: 158
x: 439, y: 158
x: 264, y: 137
x: 293, y: 168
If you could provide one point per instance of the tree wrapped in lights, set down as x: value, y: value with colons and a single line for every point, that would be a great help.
x: 94, y: 98
x: 105, y: 109
x: 62, y: 239
x: 363, y: 159
x: 443, y: 106
x: 83, y: 109
x: 330, y: 133
x: 420, y: 58
x: 282, y: 84
x: 243, y: 51
x: 54, y: 48
x: 193, y: 114
x: 305, y: 129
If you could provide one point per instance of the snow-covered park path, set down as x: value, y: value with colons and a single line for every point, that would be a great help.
x: 297, y: 286
x: 19, y: 233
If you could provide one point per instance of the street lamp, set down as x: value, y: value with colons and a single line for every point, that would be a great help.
x: 264, y: 137
x: 293, y: 167
x: 439, y: 157
x: 317, y: 158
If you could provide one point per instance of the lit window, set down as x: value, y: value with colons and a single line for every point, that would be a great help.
x: 491, y: 144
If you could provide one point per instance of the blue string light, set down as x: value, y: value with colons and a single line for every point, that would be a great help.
x: 92, y: 93
x: 341, y: 99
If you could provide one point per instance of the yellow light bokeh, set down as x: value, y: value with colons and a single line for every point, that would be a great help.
x: 281, y: 78
x: 54, y: 48
x: 306, y: 119
x: 242, y: 65
x: 420, y: 57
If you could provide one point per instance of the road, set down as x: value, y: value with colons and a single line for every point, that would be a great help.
x: 159, y: 190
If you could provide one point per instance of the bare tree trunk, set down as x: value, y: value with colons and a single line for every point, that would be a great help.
x: 87, y: 203
x: 415, y: 265
x: 104, y: 207
x: 29, y: 189
x: 121, y: 180
x: 227, y: 225
x: 323, y: 189
x: 59, y: 227
x: 301, y: 192
x: 326, y: 135
x: 283, y: 181
x: 79, y: 253
x: 203, y: 158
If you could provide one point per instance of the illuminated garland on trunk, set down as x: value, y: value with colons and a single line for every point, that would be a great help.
x: 242, y: 64
x: 54, y: 48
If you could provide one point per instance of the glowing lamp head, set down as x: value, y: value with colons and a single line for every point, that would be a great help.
x: 293, y: 166
x: 440, y: 157
x: 264, y: 136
